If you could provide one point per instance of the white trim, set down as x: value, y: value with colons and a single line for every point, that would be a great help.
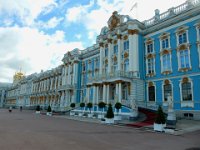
x: 198, y: 33
x: 172, y: 86
x: 179, y: 61
x: 186, y: 103
x: 152, y: 102
x: 170, y: 59
x: 154, y: 66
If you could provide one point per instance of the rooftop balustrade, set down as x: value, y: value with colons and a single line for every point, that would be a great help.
x: 172, y: 12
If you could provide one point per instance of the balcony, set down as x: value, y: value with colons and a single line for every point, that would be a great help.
x: 66, y: 87
x: 118, y: 75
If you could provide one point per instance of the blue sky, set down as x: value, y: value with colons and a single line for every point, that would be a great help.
x: 35, y: 34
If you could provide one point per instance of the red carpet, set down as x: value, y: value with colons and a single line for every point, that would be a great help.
x: 150, y: 118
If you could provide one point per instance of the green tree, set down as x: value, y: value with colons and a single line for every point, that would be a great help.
x: 160, y: 118
x: 110, y: 113
x: 49, y: 109
x: 72, y: 105
x: 89, y: 105
x: 38, y: 108
x: 118, y: 106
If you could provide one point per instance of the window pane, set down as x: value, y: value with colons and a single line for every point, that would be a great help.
x: 152, y: 93
x: 186, y: 91
x: 167, y: 91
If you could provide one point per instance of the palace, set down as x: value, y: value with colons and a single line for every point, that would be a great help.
x: 135, y: 63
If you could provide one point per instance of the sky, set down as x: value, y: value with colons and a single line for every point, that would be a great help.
x: 35, y: 34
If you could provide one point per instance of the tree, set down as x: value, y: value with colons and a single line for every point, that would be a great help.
x: 82, y: 105
x: 89, y: 105
x: 72, y: 105
x: 38, y: 108
x: 160, y: 118
x: 110, y: 113
x: 101, y: 105
x: 118, y: 106
x: 49, y: 109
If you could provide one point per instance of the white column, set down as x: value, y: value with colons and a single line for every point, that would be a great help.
x: 97, y: 96
x: 88, y: 94
x: 120, y: 92
x: 75, y: 72
x: 101, y: 58
x: 68, y: 79
x: 104, y: 93
x: 117, y: 91
x: 133, y: 50
x: 108, y: 93
x: 119, y: 52
x: 56, y: 80
x: 109, y: 54
x: 94, y: 94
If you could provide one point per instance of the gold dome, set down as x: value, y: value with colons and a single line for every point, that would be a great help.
x: 18, y: 76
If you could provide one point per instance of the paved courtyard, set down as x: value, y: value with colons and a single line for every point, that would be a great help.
x: 27, y: 131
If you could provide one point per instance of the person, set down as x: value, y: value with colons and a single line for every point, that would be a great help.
x: 20, y: 108
x: 10, y: 109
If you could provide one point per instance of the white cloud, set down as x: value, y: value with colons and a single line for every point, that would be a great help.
x: 51, y: 23
x: 27, y: 10
x: 31, y: 49
x: 78, y: 36
x: 95, y: 19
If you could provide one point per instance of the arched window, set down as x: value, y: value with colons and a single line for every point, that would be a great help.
x: 186, y: 87
x: 126, y: 65
x: 151, y: 92
x: 167, y: 87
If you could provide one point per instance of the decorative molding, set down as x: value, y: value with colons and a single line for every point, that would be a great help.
x: 132, y: 32
x: 109, y: 40
x: 119, y: 36
x: 101, y: 44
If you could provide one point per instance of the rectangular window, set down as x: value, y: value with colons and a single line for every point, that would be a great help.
x: 126, y: 45
x: 115, y: 49
x: 184, y: 59
x: 152, y: 93
x: 186, y: 91
x: 150, y: 63
x: 97, y: 63
x: 106, y: 52
x: 182, y: 38
x: 167, y: 91
x: 150, y: 48
x: 165, y: 43
x: 166, y: 62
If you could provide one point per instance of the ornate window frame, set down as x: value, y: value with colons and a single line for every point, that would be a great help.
x: 149, y: 84
x: 198, y: 39
x: 150, y: 56
x: 186, y: 103
x: 183, y: 48
x: 165, y: 82
x: 149, y: 41
x: 162, y: 54
x: 181, y: 31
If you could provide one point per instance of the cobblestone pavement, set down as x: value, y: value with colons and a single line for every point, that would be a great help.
x: 27, y: 131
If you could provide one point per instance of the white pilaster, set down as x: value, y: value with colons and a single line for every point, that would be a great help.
x: 133, y: 50
x: 97, y: 96
x: 94, y: 94
x: 108, y: 93
x: 104, y: 93
x: 101, y: 58
x: 68, y: 79
x: 120, y: 92
x: 119, y: 43
x: 109, y: 54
